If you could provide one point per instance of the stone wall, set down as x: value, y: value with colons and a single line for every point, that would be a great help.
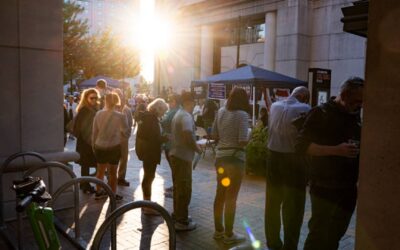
x: 31, y: 73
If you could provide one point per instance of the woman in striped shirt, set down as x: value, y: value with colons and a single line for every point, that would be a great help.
x: 230, y: 128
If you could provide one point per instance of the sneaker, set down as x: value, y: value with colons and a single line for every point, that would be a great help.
x: 100, y: 195
x: 234, y: 238
x: 218, y: 235
x: 185, y: 227
x: 123, y: 182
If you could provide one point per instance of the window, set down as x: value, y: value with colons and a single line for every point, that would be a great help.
x: 249, y: 33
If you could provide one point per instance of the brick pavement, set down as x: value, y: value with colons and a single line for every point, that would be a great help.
x: 250, y: 210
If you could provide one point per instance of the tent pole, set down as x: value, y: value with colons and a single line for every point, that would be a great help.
x: 254, y: 106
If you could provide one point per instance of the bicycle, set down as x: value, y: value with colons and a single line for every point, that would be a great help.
x: 32, y: 192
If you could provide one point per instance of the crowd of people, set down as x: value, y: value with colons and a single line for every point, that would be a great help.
x: 316, y: 146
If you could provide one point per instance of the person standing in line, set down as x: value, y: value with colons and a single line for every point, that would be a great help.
x: 230, y: 128
x: 86, y: 111
x: 331, y: 134
x: 149, y: 140
x: 174, y: 104
x: 102, y: 88
x: 208, y: 115
x: 110, y: 128
x: 183, y: 147
x: 123, y: 163
x: 286, y: 172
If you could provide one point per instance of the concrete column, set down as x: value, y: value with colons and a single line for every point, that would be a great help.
x: 31, y: 73
x: 378, y: 213
x: 206, y: 52
x: 270, y: 38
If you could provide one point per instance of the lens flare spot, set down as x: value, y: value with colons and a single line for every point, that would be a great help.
x: 226, y: 182
x: 256, y: 244
x: 221, y: 170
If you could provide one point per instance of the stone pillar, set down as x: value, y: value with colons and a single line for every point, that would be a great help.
x: 270, y: 38
x: 31, y: 73
x: 206, y: 50
x: 378, y: 213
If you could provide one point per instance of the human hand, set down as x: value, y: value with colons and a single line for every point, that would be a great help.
x: 199, y: 150
x: 349, y: 150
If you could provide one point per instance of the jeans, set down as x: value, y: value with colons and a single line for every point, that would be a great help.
x: 232, y: 169
x: 182, y: 182
x: 331, y: 213
x: 286, y: 191
x: 149, y: 169
x: 123, y: 162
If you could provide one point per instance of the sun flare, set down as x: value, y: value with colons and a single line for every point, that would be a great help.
x: 151, y: 32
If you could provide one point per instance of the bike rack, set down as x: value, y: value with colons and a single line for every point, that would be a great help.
x: 110, y: 220
x: 74, y: 235
x: 3, y: 226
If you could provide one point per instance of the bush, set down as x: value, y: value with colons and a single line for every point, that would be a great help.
x: 257, y: 152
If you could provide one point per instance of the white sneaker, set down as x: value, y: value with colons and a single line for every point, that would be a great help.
x: 185, y: 227
x: 234, y: 238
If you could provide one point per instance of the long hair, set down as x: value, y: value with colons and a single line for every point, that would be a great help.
x: 238, y: 100
x: 111, y: 100
x: 85, y: 94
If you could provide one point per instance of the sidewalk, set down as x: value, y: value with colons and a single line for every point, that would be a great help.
x: 250, y: 211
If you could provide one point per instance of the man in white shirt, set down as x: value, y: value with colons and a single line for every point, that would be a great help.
x: 286, y: 174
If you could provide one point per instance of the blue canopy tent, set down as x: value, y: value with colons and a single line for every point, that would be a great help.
x: 91, y: 83
x: 251, y: 76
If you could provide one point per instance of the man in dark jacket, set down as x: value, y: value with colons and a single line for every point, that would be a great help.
x: 331, y: 135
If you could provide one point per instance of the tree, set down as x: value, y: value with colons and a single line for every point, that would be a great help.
x: 106, y: 56
x: 75, y: 31
x: 97, y: 54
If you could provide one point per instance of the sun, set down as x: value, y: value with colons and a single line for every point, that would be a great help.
x: 151, y: 32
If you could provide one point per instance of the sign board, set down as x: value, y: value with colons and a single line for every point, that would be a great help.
x: 217, y: 91
x: 199, y: 91
x: 319, y: 84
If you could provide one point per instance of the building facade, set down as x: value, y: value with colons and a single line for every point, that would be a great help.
x: 107, y: 14
x: 286, y: 36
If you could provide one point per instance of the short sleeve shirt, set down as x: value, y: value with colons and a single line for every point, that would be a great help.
x: 182, y: 121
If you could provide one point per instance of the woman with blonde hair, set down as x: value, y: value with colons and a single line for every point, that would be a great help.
x: 148, y: 144
x: 110, y: 128
x: 86, y: 110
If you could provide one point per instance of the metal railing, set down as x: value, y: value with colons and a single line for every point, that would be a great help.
x: 3, y: 168
x: 110, y: 220
x: 74, y: 236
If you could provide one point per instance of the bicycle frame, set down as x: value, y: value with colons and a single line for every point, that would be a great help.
x: 41, y: 220
x: 31, y: 192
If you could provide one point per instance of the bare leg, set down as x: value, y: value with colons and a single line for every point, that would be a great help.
x: 101, y: 169
x: 112, y: 174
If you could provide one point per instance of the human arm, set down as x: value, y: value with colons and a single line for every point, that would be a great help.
x: 343, y: 149
x: 243, y: 129
x: 187, y: 133
x: 95, y: 131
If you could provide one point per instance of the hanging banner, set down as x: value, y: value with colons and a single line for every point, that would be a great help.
x: 248, y: 88
x: 217, y: 91
x: 199, y: 90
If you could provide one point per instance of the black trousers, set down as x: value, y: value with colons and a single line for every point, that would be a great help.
x: 331, y: 214
x: 149, y: 169
x: 286, y: 192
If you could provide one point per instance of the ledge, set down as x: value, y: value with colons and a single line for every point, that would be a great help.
x: 23, y: 163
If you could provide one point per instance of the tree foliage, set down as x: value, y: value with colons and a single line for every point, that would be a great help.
x: 88, y: 55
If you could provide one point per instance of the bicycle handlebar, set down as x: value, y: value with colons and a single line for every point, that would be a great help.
x: 29, y: 196
x: 24, y: 203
